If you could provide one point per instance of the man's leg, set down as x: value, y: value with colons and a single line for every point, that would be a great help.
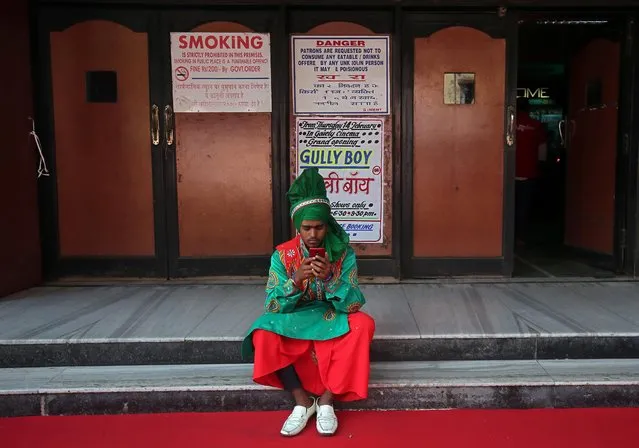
x: 345, y: 369
x: 270, y: 350
x: 326, y: 398
x: 305, y: 405
x: 292, y: 383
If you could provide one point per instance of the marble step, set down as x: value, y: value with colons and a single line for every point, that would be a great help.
x: 393, y: 385
x: 153, y: 351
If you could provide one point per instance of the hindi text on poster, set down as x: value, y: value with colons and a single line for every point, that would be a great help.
x: 349, y: 154
x: 341, y: 75
x: 221, y: 72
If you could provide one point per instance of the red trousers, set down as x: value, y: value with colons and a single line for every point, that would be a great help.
x: 341, y: 365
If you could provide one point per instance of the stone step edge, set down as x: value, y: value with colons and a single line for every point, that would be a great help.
x: 441, y: 385
x: 81, y: 353
x: 379, y: 399
x: 129, y: 389
x: 455, y: 336
x: 203, y: 377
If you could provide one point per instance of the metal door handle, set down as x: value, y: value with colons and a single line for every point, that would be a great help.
x: 168, y: 124
x: 561, y: 125
x: 510, y: 133
x: 155, y: 125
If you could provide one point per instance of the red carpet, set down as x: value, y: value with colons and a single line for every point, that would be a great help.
x: 583, y: 428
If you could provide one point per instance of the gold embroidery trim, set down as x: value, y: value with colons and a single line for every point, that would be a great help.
x: 273, y: 306
x: 329, y: 315
x: 354, y: 307
x: 273, y: 280
x: 353, y: 278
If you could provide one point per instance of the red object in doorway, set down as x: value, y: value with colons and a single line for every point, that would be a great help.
x: 583, y: 428
x: 530, y: 135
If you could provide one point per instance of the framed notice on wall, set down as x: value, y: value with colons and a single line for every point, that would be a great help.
x: 349, y: 155
x: 221, y: 72
x: 341, y: 75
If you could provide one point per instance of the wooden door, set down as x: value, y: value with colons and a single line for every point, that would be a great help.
x: 220, y: 192
x: 102, y: 206
x: 457, y: 109
x: 592, y: 152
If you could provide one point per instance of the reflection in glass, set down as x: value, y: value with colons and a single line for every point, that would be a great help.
x: 459, y: 88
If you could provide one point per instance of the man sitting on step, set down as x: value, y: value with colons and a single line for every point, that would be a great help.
x: 312, y: 339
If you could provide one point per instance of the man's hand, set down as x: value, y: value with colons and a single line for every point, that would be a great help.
x: 304, y: 272
x: 321, y: 267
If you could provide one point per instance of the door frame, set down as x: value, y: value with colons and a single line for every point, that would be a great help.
x: 628, y: 141
x: 47, y: 19
x: 625, y: 241
x: 157, y: 24
x: 496, y: 23
x: 45, y: 13
x: 166, y: 263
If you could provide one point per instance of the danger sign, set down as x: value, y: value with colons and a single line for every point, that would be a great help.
x: 342, y: 75
x: 221, y: 72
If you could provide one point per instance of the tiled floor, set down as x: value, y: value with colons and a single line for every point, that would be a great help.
x: 534, y: 266
x: 216, y: 312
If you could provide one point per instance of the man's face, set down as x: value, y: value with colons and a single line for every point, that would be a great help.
x: 313, y: 233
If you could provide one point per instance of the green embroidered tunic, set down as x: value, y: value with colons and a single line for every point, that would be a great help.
x: 317, y: 312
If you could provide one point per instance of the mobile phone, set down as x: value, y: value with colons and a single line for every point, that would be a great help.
x: 317, y: 251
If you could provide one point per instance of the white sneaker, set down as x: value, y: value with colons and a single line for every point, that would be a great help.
x: 326, y: 420
x: 296, y: 422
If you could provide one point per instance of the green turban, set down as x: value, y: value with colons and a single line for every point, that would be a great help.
x: 310, y: 203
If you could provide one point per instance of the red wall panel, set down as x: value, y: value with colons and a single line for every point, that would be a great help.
x: 19, y: 234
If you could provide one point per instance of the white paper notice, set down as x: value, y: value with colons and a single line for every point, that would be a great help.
x: 221, y: 72
x: 349, y: 155
x: 341, y: 75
